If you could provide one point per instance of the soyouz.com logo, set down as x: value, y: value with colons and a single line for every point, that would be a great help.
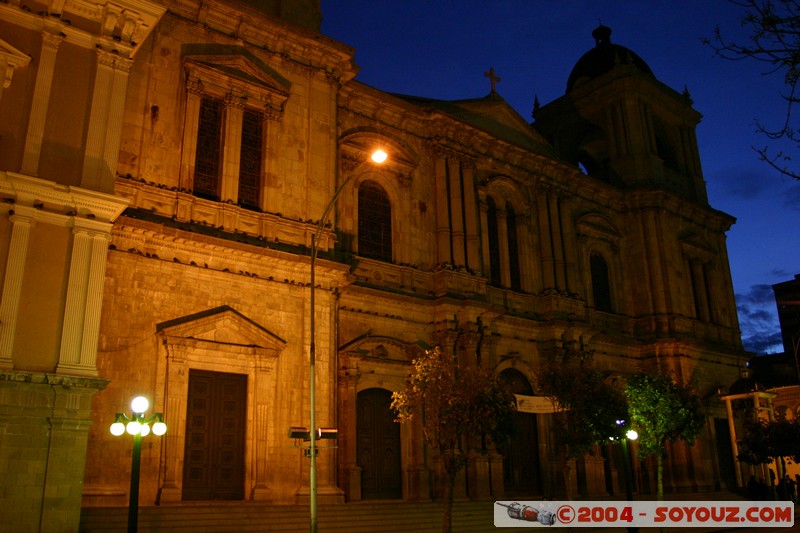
x: 643, y: 514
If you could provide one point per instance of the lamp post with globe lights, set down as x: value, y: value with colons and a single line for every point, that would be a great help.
x: 138, y: 425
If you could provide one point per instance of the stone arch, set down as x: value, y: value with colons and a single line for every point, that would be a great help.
x: 521, y: 462
x: 377, y: 362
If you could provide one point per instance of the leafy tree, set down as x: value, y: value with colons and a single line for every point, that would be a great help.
x: 774, y: 40
x: 764, y: 441
x: 662, y: 412
x: 587, y: 407
x: 455, y: 404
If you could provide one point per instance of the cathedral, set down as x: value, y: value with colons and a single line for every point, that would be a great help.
x: 201, y: 204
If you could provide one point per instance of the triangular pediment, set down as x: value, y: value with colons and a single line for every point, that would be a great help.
x: 12, y: 58
x: 235, y: 62
x: 382, y: 347
x: 491, y: 114
x: 221, y: 325
x: 596, y: 225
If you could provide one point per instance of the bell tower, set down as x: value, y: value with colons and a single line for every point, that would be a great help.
x: 621, y: 125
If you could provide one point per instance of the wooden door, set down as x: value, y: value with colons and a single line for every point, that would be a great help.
x: 378, y: 446
x: 521, y: 454
x: 215, y: 433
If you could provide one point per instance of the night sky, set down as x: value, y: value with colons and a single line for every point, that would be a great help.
x: 442, y: 48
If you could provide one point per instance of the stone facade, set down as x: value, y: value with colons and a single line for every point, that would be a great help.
x: 160, y: 227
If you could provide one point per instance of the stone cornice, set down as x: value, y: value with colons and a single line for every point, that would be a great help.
x: 50, y: 198
x: 119, y: 27
x: 303, y: 47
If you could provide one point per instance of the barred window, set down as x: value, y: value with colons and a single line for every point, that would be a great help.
x: 208, y: 158
x: 251, y: 159
x: 374, y: 222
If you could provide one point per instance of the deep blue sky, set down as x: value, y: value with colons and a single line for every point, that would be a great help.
x: 441, y: 48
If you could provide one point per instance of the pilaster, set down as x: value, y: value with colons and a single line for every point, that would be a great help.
x: 456, y: 210
x: 40, y: 103
x: 232, y: 148
x: 98, y: 118
x: 194, y: 92
x: 471, y: 216
x: 12, y: 284
x: 442, y: 209
x: 81, y: 326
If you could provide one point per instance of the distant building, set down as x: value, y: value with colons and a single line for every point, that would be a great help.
x: 164, y: 169
x: 787, y: 298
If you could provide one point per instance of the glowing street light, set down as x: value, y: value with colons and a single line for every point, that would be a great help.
x: 138, y: 425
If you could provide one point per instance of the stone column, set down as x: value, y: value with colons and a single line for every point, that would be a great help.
x: 456, y: 210
x: 349, y: 401
x: 96, y: 138
x: 545, y: 231
x: 113, y: 128
x: 264, y: 390
x: 194, y: 97
x: 479, y: 478
x: 471, y: 217
x: 554, y: 210
x: 175, y: 415
x: 570, y: 248
x: 81, y: 327
x: 12, y: 284
x: 232, y: 148
x: 483, y: 206
x: 442, y: 208
x: 40, y: 103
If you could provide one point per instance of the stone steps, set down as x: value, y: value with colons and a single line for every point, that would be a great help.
x: 357, y: 517
x: 389, y: 517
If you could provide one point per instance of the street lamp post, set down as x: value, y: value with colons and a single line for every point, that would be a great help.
x: 378, y: 156
x: 626, y: 466
x: 137, y: 425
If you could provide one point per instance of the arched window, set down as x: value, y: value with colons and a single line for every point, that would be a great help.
x: 494, y: 242
x: 374, y: 222
x: 601, y: 288
x: 513, y: 248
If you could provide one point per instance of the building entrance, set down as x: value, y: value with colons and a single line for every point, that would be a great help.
x: 378, y: 446
x: 215, y: 435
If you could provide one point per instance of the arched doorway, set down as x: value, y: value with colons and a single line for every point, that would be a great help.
x: 521, y: 453
x: 378, y: 446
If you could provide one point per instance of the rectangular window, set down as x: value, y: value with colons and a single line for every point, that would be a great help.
x: 209, y: 148
x: 251, y: 159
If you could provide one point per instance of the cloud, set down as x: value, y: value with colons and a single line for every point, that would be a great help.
x: 745, y: 183
x: 758, y: 320
x: 760, y: 294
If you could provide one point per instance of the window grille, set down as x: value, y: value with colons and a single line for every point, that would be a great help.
x: 374, y: 222
x: 251, y: 159
x: 207, y: 160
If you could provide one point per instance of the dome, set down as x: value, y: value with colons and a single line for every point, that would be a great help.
x: 602, y: 58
